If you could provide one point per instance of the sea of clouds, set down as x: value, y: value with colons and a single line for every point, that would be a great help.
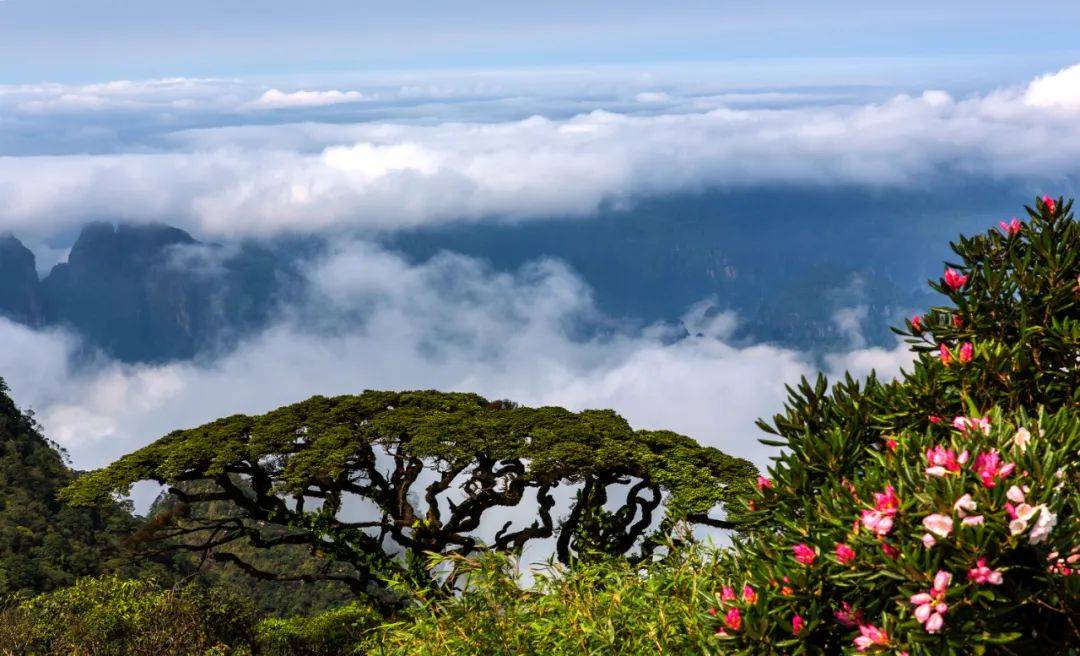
x: 233, y: 158
x: 376, y: 321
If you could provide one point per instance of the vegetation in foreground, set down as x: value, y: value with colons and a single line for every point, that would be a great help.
x: 934, y: 514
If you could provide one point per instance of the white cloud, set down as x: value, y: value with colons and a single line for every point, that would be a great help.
x: 1061, y: 89
x: 376, y: 321
x: 260, y: 180
x: 276, y: 99
x: 652, y: 97
x: 169, y: 94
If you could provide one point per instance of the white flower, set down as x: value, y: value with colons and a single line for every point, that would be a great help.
x: 1021, y: 439
x: 940, y: 525
x: 964, y: 505
x: 1043, y: 525
x: 1015, y: 494
x: 1025, y: 511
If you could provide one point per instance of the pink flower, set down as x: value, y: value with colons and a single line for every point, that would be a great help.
x: 974, y: 520
x: 880, y: 520
x: 1011, y: 228
x: 890, y: 550
x: 989, y: 467
x: 966, y: 424
x: 954, y: 279
x: 844, y: 553
x: 1050, y: 204
x: 733, y: 619
x: 942, y: 461
x: 870, y: 636
x: 939, y: 525
x: 763, y: 483
x: 930, y: 606
x: 797, y: 624
x: 928, y: 540
x: 727, y: 594
x: 748, y: 594
x: 916, y: 324
x: 983, y: 574
x: 966, y: 351
x: 934, y: 419
x: 804, y: 554
x: 846, y: 616
x: 887, y: 502
x: 943, y: 353
x: 877, y: 523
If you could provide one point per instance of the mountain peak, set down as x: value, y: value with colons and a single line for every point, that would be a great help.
x: 105, y: 245
x: 20, y: 289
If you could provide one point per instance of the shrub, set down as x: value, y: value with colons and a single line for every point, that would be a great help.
x: 935, y: 514
x: 607, y: 607
x: 335, y: 632
x: 110, y: 616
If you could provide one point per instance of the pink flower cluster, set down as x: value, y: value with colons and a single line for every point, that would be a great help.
x: 990, y: 467
x: 1064, y: 565
x: 879, y: 521
x: 942, y: 461
x: 983, y: 574
x: 869, y: 637
x: 797, y: 624
x: 1050, y: 204
x: 844, y: 554
x: 966, y: 424
x: 930, y: 606
x: 966, y: 353
x: 954, y: 279
x: 1011, y: 228
x: 804, y: 554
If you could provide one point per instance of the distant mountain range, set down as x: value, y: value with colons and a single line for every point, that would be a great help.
x: 812, y: 269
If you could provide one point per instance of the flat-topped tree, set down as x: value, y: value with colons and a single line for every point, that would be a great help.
x: 373, y: 483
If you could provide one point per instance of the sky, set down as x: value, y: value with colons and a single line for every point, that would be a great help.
x: 85, y: 40
x: 353, y: 119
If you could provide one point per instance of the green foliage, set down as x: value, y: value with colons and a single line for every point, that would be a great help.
x: 603, y: 607
x: 110, y: 616
x: 45, y: 544
x: 1011, y: 343
x: 336, y: 632
x: 253, y: 480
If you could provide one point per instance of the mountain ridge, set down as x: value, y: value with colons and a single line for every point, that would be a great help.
x: 143, y: 293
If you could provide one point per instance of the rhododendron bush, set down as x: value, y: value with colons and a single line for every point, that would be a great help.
x: 935, y: 513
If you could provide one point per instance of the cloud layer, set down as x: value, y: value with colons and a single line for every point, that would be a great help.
x: 375, y: 321
x: 267, y: 179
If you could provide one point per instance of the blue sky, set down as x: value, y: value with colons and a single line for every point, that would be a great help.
x: 89, y: 40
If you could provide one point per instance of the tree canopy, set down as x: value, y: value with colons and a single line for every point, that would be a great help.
x: 373, y: 483
x: 45, y: 544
